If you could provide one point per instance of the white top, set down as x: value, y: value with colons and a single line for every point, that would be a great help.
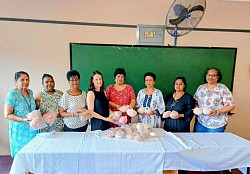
x: 71, y: 103
x: 155, y: 102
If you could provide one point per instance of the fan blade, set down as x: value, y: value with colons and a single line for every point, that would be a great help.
x: 177, y: 20
x: 180, y: 10
x: 196, y: 8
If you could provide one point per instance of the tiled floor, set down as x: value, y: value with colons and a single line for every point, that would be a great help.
x: 5, y: 164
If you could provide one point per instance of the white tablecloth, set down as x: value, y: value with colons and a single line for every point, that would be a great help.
x: 206, y: 152
x: 91, y: 152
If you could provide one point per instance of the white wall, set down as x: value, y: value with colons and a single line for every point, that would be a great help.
x: 44, y: 48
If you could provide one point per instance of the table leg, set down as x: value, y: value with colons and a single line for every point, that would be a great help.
x: 170, y: 172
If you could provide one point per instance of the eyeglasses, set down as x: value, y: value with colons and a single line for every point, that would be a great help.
x: 211, y: 75
x: 74, y: 80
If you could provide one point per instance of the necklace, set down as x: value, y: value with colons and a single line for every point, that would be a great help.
x: 149, y: 91
x: 74, y: 92
x: 178, y: 96
x: 174, y: 103
x: 25, y: 99
x: 50, y: 92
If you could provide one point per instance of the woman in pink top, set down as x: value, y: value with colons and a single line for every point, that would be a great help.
x: 120, y: 94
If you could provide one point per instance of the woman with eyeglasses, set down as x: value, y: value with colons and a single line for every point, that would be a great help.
x: 217, y: 100
x: 181, y: 105
x: 73, y: 105
x: 120, y: 94
x: 151, y: 99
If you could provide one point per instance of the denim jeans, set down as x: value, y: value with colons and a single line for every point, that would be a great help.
x: 200, y: 128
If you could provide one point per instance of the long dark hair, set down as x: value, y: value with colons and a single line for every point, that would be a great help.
x: 91, y: 84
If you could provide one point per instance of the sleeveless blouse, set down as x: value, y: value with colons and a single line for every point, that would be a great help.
x: 50, y: 102
x: 101, y: 106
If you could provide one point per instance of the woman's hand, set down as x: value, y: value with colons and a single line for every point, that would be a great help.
x: 139, y: 112
x: 26, y: 120
x: 150, y: 113
x: 117, y: 106
x: 213, y: 112
x: 85, y: 114
x: 174, y: 116
x: 110, y: 119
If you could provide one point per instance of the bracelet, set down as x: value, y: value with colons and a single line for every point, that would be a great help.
x: 217, y: 111
x: 73, y: 114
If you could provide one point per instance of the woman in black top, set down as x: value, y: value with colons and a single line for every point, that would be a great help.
x: 181, y: 102
x: 98, y: 104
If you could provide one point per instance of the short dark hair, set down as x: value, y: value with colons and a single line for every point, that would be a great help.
x: 150, y: 74
x: 91, y: 84
x: 120, y: 71
x: 72, y: 73
x: 183, y: 80
x: 19, y: 73
x: 46, y: 75
x: 218, y: 74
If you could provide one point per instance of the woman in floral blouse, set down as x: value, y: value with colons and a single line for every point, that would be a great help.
x: 218, y: 98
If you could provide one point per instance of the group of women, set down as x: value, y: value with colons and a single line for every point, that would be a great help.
x: 75, y: 108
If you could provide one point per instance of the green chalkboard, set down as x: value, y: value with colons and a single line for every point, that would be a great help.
x: 166, y: 62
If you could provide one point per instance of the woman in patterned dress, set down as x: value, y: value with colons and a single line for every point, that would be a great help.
x: 152, y: 99
x: 120, y: 94
x: 73, y: 104
x: 48, y: 101
x: 217, y: 97
x: 19, y: 102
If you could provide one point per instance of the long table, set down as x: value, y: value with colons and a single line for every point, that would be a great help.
x: 93, y: 153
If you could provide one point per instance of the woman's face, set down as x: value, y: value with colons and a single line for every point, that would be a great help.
x: 212, y: 76
x: 74, y: 82
x: 149, y: 81
x: 97, y: 81
x: 119, y: 79
x: 179, y: 86
x: 48, y: 84
x: 23, y: 82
